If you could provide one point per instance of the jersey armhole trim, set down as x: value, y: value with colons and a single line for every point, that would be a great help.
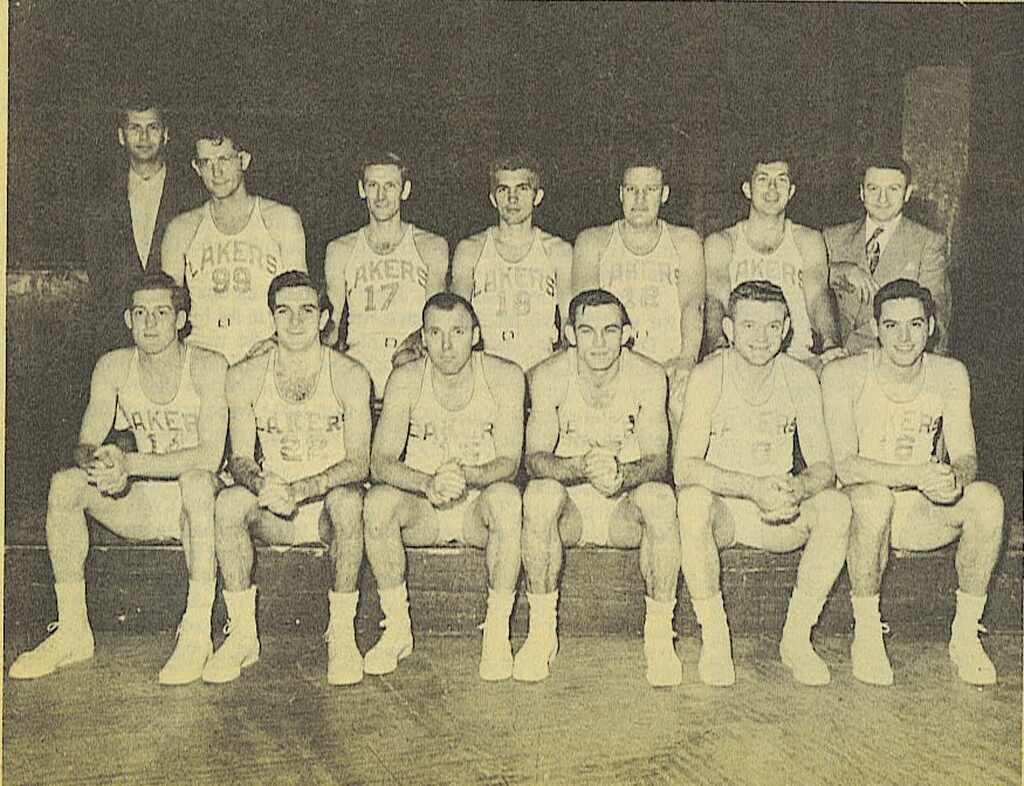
x: 330, y: 373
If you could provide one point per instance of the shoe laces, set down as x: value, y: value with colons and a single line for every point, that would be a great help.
x: 51, y: 627
x: 884, y: 627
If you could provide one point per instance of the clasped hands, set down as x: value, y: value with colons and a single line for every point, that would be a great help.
x: 778, y: 497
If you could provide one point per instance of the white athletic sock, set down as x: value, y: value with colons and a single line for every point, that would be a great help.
x: 709, y: 610
x: 802, y: 615
x: 969, y: 609
x: 865, y: 611
x: 199, y: 605
x: 499, y: 608
x: 543, y: 611
x: 343, y: 604
x: 241, y: 607
x: 394, y: 602
x: 659, y: 613
x: 71, y: 610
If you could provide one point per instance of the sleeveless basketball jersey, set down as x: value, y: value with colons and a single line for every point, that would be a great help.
x: 755, y: 438
x: 648, y: 286
x: 227, y: 278
x: 897, y: 432
x: 302, y: 438
x: 437, y: 435
x: 582, y: 425
x: 160, y: 428
x: 784, y: 267
x: 515, y: 302
x: 385, y: 295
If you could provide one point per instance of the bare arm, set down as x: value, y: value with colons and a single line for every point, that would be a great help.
x: 285, y: 227
x: 652, y: 432
x: 177, y: 237
x: 717, y: 256
x: 506, y: 380
x: 242, y: 383
x: 586, y: 255
x: 352, y: 383
x: 819, y: 474
x: 337, y: 255
x: 392, y: 433
x: 816, y: 290
x: 208, y: 373
x: 467, y: 254
x: 99, y: 412
x: 934, y: 274
x: 957, y: 425
x: 691, y: 288
x: 548, y: 383
x: 561, y: 255
x: 434, y: 250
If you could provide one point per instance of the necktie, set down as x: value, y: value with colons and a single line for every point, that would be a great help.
x: 873, y: 249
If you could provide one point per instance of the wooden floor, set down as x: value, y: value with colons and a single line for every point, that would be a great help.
x: 434, y: 722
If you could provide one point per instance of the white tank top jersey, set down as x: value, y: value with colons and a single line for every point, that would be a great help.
x: 385, y: 295
x: 515, y: 302
x: 582, y: 426
x: 648, y: 286
x: 897, y: 432
x: 755, y: 438
x: 299, y: 439
x: 227, y: 278
x: 437, y: 434
x: 160, y: 428
x: 784, y: 267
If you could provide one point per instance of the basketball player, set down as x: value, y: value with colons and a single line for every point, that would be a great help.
x: 384, y: 271
x: 655, y: 269
x: 768, y: 246
x: 457, y: 415
x: 597, y: 451
x: 172, y: 398
x: 734, y: 471
x: 516, y: 275
x: 308, y: 406
x: 885, y: 409
x: 228, y: 250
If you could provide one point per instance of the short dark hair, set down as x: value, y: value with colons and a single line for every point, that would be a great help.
x: 514, y: 160
x: 147, y: 282
x: 640, y: 159
x: 296, y: 278
x: 760, y: 291
x: 770, y: 156
x: 139, y: 102
x: 384, y: 158
x: 449, y: 301
x: 884, y: 159
x: 217, y: 128
x: 904, y: 288
x: 595, y: 297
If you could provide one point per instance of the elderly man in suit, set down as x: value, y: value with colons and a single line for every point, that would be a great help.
x: 127, y: 223
x: 882, y: 246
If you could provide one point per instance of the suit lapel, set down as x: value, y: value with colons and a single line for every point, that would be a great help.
x: 896, y: 253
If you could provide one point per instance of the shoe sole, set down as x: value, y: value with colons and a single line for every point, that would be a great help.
x: 547, y: 673
x: 355, y: 680
x: 231, y: 678
x: 400, y: 656
x: 188, y: 681
x: 974, y: 683
x: 62, y: 665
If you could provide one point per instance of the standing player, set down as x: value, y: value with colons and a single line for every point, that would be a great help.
x: 885, y: 409
x: 733, y: 467
x: 515, y: 274
x: 457, y: 415
x: 308, y: 406
x: 228, y: 251
x: 882, y: 246
x: 384, y: 272
x: 172, y: 398
x: 596, y: 451
x: 768, y: 246
x: 655, y: 269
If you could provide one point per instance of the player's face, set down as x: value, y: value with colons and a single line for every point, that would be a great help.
x: 220, y: 165
x: 599, y: 336
x: 756, y: 330
x: 769, y: 188
x: 384, y: 190
x: 514, y: 195
x: 153, y: 321
x: 449, y: 337
x: 143, y: 135
x: 903, y: 330
x: 297, y: 318
x: 884, y: 192
x: 642, y: 193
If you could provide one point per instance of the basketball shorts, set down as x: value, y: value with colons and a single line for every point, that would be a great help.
x: 451, y: 519
x: 596, y: 512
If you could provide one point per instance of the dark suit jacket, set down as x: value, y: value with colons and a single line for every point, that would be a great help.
x: 113, y: 260
x: 913, y: 252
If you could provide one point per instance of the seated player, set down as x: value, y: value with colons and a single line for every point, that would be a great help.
x: 457, y: 416
x: 734, y: 471
x: 885, y: 410
x: 515, y: 274
x: 308, y: 407
x: 597, y: 455
x: 172, y: 398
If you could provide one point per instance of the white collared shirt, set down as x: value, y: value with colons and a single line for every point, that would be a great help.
x: 144, y: 199
x: 883, y: 239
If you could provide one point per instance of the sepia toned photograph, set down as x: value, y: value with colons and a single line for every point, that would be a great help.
x: 513, y: 393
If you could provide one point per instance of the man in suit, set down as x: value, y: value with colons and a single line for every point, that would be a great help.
x: 131, y: 214
x: 882, y: 246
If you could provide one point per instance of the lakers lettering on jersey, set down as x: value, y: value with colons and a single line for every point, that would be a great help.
x: 648, y: 285
x: 782, y: 267
x: 385, y: 295
x: 160, y: 428
x: 227, y: 278
x: 516, y: 302
x: 303, y: 438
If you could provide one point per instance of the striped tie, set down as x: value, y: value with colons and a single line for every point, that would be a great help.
x: 873, y: 249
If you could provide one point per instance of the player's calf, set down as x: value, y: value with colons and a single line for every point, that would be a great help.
x: 344, y: 508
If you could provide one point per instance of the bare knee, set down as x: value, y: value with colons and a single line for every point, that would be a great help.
x: 504, y: 508
x: 234, y: 509
x: 198, y: 489
x: 693, y: 509
x: 542, y: 502
x: 835, y: 511
x: 872, y: 506
x: 344, y: 506
x: 984, y: 509
x: 657, y: 504
x: 379, y: 508
x: 68, y: 488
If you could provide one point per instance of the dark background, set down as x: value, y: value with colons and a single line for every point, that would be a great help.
x: 450, y: 85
